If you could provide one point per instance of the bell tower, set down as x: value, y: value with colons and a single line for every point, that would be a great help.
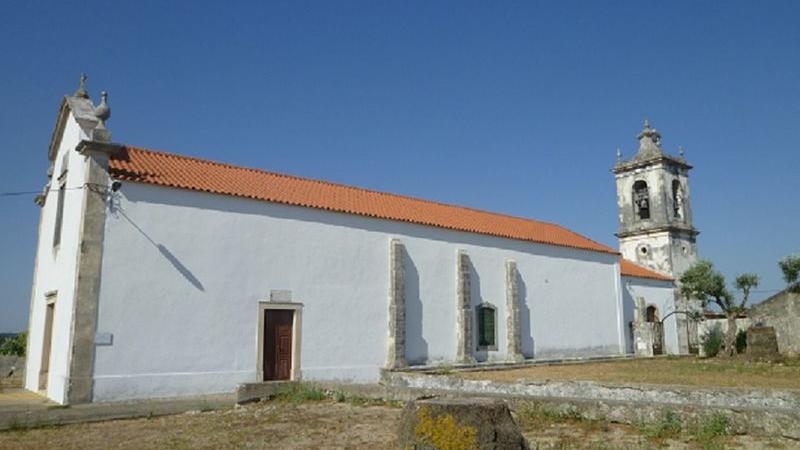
x: 655, y: 220
x: 655, y: 214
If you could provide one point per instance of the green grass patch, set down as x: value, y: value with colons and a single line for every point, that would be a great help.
x: 296, y: 393
x: 534, y: 415
x: 668, y: 426
x: 444, y: 369
x: 710, y: 430
x: 360, y: 400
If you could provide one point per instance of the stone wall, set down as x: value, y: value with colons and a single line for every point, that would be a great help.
x: 752, y: 411
x: 782, y: 312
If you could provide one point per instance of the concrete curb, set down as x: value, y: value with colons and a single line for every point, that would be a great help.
x: 48, y: 415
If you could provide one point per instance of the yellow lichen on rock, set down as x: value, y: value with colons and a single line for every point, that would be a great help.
x: 443, y: 432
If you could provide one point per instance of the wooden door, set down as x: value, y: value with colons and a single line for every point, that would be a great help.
x: 278, y: 344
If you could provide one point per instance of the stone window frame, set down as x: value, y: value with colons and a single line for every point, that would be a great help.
x: 479, y: 327
x: 297, y: 328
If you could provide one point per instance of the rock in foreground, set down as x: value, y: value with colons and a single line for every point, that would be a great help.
x: 459, y: 424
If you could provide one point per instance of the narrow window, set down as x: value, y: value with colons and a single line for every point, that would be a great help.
x: 59, y: 215
x: 677, y: 198
x: 64, y: 165
x: 641, y: 200
x: 487, y: 318
x: 651, y: 314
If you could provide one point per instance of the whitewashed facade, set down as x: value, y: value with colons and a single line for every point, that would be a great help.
x: 181, y: 300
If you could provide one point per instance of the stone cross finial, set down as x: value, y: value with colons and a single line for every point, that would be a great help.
x: 81, y: 92
x: 619, y: 155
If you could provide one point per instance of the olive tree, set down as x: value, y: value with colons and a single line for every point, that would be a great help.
x: 707, y: 285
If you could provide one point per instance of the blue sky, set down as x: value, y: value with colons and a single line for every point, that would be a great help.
x: 515, y: 107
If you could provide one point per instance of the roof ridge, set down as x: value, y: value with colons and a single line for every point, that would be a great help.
x: 358, y: 188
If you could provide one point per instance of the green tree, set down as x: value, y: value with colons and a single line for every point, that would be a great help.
x: 14, y: 346
x: 790, y: 266
x: 703, y: 283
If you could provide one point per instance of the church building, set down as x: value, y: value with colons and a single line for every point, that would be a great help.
x: 161, y: 275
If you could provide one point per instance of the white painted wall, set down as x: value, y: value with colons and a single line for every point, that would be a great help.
x: 183, y: 272
x: 55, y: 269
x: 655, y: 292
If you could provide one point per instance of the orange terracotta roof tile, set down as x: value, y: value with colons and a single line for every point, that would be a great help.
x: 166, y: 169
x: 631, y: 269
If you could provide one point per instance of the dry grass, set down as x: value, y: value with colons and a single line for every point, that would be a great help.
x: 325, y: 424
x: 677, y: 371
x: 14, y: 382
x: 260, y: 426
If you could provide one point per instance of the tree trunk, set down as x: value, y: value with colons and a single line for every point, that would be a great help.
x: 730, y: 336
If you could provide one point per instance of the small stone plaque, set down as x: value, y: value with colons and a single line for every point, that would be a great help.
x: 103, y: 339
x: 280, y: 296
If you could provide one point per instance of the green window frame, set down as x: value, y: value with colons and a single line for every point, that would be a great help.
x: 487, y: 327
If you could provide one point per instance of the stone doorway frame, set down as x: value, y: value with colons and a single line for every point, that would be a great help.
x: 297, y: 327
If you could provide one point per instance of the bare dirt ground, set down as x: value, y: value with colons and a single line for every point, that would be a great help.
x: 327, y: 424
x: 688, y: 371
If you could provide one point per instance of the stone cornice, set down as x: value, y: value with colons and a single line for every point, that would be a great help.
x: 638, y: 163
x: 107, y: 148
x: 689, y: 230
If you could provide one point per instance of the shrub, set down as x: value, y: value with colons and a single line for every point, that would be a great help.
x: 741, y: 341
x: 712, y: 340
x: 14, y: 346
x: 710, y: 429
